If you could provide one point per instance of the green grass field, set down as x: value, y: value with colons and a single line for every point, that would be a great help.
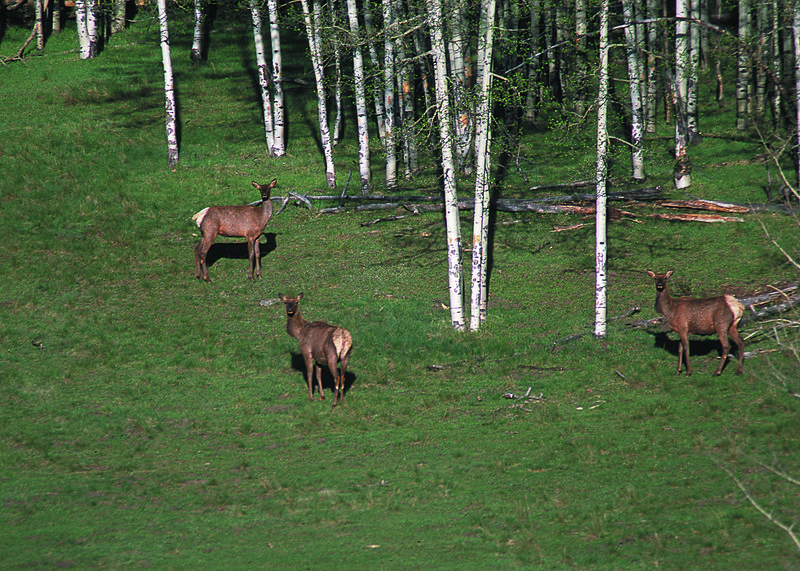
x: 148, y: 419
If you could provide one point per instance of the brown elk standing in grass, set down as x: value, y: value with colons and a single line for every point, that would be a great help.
x: 321, y: 344
x: 234, y: 221
x: 687, y: 315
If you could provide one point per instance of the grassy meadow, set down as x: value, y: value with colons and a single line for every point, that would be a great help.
x: 151, y: 420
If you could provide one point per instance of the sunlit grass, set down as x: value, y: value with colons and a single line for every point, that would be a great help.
x: 149, y: 419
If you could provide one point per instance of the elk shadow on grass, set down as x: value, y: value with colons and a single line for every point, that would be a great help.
x: 238, y: 250
x: 698, y: 347
x: 299, y: 365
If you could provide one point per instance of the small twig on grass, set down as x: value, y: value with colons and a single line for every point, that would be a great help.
x: 789, y: 529
x: 527, y: 399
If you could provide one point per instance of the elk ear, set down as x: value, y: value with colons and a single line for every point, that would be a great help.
x: 669, y: 273
x: 280, y: 296
x: 651, y: 273
x: 273, y: 183
x: 299, y: 297
x: 255, y: 184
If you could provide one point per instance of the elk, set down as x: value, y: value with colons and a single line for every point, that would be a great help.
x: 234, y: 221
x: 321, y: 344
x: 687, y: 315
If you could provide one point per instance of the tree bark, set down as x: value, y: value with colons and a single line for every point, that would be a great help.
x: 480, y: 225
x: 388, y: 93
x: 196, y: 54
x: 632, y: 55
x: 279, y: 125
x: 169, y: 87
x: 312, y: 32
x: 263, y: 79
x: 436, y: 25
x: 361, y: 99
x: 601, y: 175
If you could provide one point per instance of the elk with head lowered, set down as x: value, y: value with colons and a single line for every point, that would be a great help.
x: 246, y: 221
x: 687, y: 315
x: 321, y: 344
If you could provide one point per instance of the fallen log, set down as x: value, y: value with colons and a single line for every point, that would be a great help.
x: 705, y: 205
x: 696, y: 217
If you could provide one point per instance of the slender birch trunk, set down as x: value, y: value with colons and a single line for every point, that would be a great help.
x: 682, y: 174
x: 279, y: 125
x: 196, y: 55
x: 169, y: 87
x: 776, y: 65
x: 651, y: 100
x: 632, y: 56
x: 322, y: 108
x: 796, y: 37
x: 86, y: 21
x: 581, y: 62
x: 57, y: 9
x: 83, y: 32
x: 601, y: 246
x: 534, y: 65
x: 693, y: 130
x: 436, y: 25
x: 120, y: 19
x: 405, y: 93
x: 388, y: 93
x: 480, y: 224
x: 92, y: 28
x: 377, y: 96
x: 744, y: 76
x: 463, y: 116
x: 263, y: 78
x: 39, y: 24
x: 337, y: 59
x: 361, y: 99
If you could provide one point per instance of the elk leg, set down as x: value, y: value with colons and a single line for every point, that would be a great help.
x: 310, y: 376
x: 251, y: 256
x: 319, y: 381
x: 726, y: 347
x: 734, y: 332
x: 257, y: 254
x: 683, y: 355
x: 200, y: 252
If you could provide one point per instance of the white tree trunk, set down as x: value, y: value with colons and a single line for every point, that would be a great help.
x: 197, y: 37
x: 373, y: 56
x: 652, y: 77
x: 744, y: 76
x: 682, y: 174
x: 601, y: 247
x: 263, y: 79
x: 92, y: 28
x: 693, y: 131
x: 388, y: 93
x: 361, y: 99
x: 120, y: 16
x: 86, y: 20
x: 459, y: 68
x: 480, y: 223
x: 436, y: 25
x: 796, y: 26
x: 279, y: 140
x: 632, y: 43
x: 83, y: 32
x: 169, y: 88
x: 337, y: 56
x: 39, y: 24
x: 322, y: 108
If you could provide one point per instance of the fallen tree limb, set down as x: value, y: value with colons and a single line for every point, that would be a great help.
x: 705, y: 205
x: 696, y: 217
